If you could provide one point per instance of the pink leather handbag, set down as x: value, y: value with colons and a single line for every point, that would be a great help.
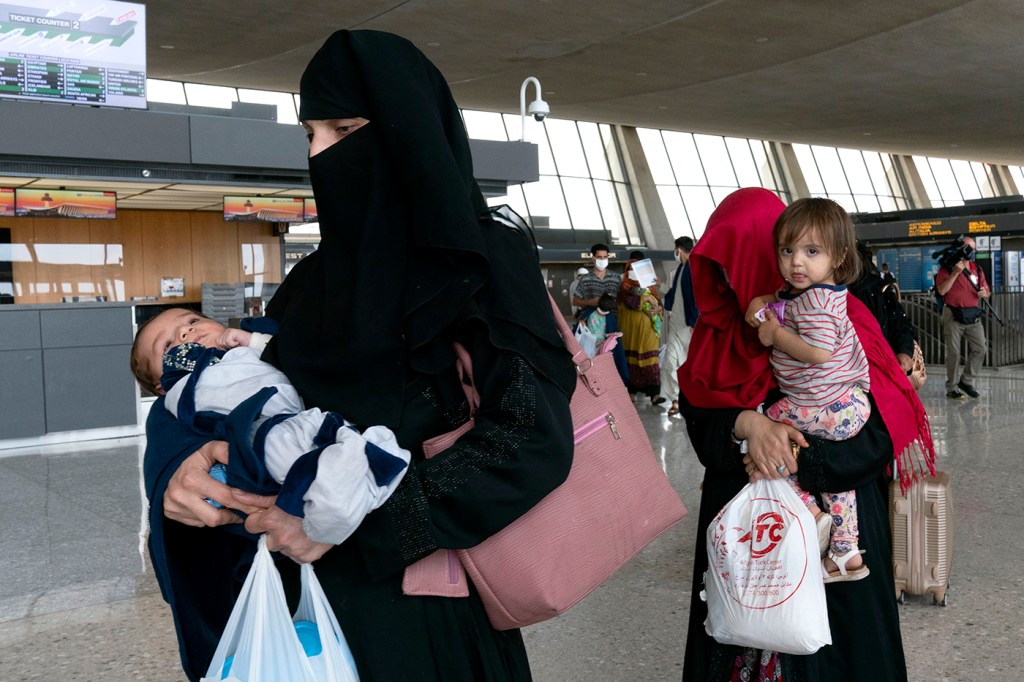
x: 614, y: 502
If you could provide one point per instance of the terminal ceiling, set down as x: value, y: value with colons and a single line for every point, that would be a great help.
x: 930, y: 77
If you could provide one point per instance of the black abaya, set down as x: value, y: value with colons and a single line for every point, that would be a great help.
x: 520, y: 449
x: 863, y: 616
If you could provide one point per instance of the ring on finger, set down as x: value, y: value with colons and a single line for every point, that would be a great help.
x: 781, y: 469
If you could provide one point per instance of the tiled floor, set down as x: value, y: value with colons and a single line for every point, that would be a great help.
x: 78, y: 602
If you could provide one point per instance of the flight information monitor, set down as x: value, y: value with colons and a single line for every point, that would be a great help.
x: 65, y: 203
x: 79, y: 51
x: 263, y: 209
x: 6, y: 202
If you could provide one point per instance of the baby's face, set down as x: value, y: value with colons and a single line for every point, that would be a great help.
x: 173, y: 327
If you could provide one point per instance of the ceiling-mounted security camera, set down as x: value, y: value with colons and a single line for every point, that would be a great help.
x: 540, y: 109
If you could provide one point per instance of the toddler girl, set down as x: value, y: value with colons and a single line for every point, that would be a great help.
x: 817, y: 358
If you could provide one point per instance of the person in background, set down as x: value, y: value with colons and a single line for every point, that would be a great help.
x: 598, y: 281
x: 886, y: 275
x: 640, y: 323
x: 572, y: 289
x: 882, y: 299
x: 680, y: 316
x: 962, y: 289
x: 725, y: 379
x: 391, y: 170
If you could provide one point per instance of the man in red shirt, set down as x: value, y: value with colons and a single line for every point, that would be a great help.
x: 962, y: 290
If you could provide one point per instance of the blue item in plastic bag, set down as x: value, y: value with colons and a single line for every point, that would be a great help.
x: 308, y: 636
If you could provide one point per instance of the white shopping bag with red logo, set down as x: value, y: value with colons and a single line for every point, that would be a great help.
x: 764, y: 584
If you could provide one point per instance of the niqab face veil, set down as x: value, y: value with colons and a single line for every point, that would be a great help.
x: 402, y: 247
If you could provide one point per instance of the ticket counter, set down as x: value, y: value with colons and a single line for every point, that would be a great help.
x: 64, y: 367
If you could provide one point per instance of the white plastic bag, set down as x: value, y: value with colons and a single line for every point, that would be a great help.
x: 335, y: 662
x: 764, y: 584
x: 586, y: 338
x: 260, y: 644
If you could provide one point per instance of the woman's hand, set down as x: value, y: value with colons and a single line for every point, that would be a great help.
x: 190, y: 486
x: 284, y: 531
x: 770, y: 445
x: 186, y: 493
x: 906, y: 362
x: 767, y: 329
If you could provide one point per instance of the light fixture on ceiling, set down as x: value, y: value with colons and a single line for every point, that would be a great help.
x: 167, y: 47
x: 762, y: 39
x: 538, y: 107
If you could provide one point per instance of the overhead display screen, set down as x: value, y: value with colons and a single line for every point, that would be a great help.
x: 6, y: 202
x: 65, y: 203
x: 84, y: 51
x: 309, y: 214
x: 263, y: 209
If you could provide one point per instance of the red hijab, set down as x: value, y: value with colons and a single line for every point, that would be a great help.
x: 727, y: 367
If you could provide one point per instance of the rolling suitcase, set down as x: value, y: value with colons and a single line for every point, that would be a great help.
x: 922, y: 537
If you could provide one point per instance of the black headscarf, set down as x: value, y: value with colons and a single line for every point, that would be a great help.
x: 406, y: 245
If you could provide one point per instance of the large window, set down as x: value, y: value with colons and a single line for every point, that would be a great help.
x: 1017, y: 173
x: 221, y: 97
x: 952, y: 182
x: 859, y: 181
x: 582, y: 183
x: 693, y: 173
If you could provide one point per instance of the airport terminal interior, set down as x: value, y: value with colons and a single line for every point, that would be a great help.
x: 164, y: 166
x: 79, y: 601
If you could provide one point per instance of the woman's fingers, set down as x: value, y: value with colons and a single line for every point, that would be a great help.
x: 251, y: 503
x: 770, y: 443
x: 285, y: 535
x: 191, y: 485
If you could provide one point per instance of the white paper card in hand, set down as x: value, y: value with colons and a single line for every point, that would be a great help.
x: 643, y: 272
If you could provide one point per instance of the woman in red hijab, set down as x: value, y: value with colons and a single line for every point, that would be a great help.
x: 725, y: 379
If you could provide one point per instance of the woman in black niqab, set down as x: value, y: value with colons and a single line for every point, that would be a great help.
x: 410, y: 261
x: 403, y: 248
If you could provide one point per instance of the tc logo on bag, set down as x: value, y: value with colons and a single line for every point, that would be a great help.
x: 754, y: 573
x: 763, y: 584
x: 766, y: 534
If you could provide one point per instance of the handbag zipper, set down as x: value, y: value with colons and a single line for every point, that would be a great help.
x: 595, y: 425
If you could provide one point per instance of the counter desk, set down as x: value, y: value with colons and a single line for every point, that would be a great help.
x: 65, y: 367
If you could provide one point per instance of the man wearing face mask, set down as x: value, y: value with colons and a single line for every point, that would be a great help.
x: 598, y: 281
x: 680, y: 316
x: 962, y: 286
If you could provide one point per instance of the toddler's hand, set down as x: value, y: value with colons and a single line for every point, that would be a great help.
x: 233, y: 338
x: 751, y: 315
x: 766, y: 332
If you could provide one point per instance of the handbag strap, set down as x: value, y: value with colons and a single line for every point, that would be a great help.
x: 464, y: 366
x: 583, y: 362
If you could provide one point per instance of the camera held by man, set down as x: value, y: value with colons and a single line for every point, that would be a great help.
x: 962, y: 249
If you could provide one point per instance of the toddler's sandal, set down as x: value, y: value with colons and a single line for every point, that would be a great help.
x: 843, y: 575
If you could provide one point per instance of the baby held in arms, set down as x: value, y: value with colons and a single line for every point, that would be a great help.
x: 213, y: 380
